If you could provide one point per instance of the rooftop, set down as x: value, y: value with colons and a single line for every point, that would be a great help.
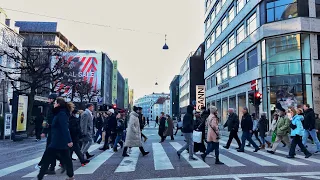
x: 33, y: 26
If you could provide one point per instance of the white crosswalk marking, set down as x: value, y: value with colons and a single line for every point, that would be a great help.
x: 128, y: 164
x: 300, y: 157
x: 195, y: 164
x: 95, y: 163
x: 161, y: 159
x: 18, y: 167
x: 278, y: 178
x: 271, y: 156
x: 311, y: 177
x: 35, y: 173
x: 230, y: 162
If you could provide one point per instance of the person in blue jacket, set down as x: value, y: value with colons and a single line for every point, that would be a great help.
x: 61, y: 140
x: 297, y: 132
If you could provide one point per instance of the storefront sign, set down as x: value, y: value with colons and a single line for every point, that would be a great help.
x: 200, y: 97
x: 8, y: 124
x: 22, y: 113
x: 254, y: 85
x: 223, y: 86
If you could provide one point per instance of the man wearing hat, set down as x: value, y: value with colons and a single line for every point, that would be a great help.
x: 110, y: 129
x: 282, y: 130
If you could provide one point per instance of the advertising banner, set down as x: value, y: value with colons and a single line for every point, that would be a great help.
x: 114, y: 82
x: 126, y: 93
x: 8, y: 124
x: 22, y: 113
x: 200, y: 97
x: 131, y: 98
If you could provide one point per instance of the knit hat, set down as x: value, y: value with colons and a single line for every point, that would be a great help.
x: 111, y: 110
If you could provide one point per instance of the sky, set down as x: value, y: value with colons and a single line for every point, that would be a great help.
x: 139, y: 52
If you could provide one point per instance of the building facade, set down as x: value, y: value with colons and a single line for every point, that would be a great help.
x: 120, y: 91
x: 167, y: 106
x: 147, y: 103
x: 274, y: 43
x: 191, y: 74
x: 174, y: 97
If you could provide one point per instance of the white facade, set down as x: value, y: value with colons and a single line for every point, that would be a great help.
x: 166, y: 106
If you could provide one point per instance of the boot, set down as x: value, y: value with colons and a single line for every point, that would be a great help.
x: 89, y: 155
x: 218, y: 161
x: 269, y: 144
x: 263, y: 147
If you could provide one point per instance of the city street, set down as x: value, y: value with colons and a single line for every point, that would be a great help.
x: 17, y: 161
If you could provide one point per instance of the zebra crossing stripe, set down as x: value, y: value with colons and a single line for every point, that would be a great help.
x: 95, y: 163
x: 161, y: 159
x: 18, y: 167
x: 195, y: 164
x: 128, y: 164
x: 300, y: 157
x: 35, y: 173
x: 271, y: 156
x: 278, y: 178
x: 311, y: 177
x: 230, y: 162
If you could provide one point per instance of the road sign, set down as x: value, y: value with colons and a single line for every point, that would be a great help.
x: 254, y: 84
x: 7, y: 125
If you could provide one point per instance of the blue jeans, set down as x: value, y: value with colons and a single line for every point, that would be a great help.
x: 189, y: 139
x: 314, y: 136
x: 98, y: 133
x: 247, y: 136
x: 118, y: 138
x: 213, y: 146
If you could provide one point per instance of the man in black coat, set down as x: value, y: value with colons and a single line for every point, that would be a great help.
x: 38, y: 126
x: 309, y: 125
x: 142, y: 123
x: 246, y: 125
x: 99, y: 125
x: 162, y: 127
x: 233, y: 127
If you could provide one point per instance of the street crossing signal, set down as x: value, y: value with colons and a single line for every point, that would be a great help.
x: 258, y: 97
x: 114, y: 106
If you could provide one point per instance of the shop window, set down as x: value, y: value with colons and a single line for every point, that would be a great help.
x: 252, y: 59
x: 232, y: 70
x: 240, y: 34
x: 219, y: 79
x: 305, y: 46
x: 252, y: 23
x: 232, y: 14
x: 278, y: 10
x: 218, y: 105
x: 241, y: 65
x: 232, y: 103
x: 224, y: 74
x: 224, y: 48
x: 224, y: 111
x: 232, y: 42
x: 241, y: 104
x: 224, y: 23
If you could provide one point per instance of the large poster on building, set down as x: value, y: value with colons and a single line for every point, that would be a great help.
x: 22, y: 113
x: 114, y: 82
x: 200, y: 97
x: 85, y: 67
x: 126, y: 93
x: 131, y: 95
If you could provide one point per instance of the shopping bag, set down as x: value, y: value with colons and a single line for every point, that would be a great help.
x: 274, y: 135
x: 197, y: 136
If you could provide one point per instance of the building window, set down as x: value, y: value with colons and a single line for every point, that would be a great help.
x: 281, y: 9
x: 219, y: 78
x: 232, y: 70
x: 208, y: 82
x: 240, y: 5
x: 252, y: 59
x: 213, y: 15
x: 232, y: 14
x: 223, y: 1
x: 218, y: 31
x: 218, y: 7
x: 232, y: 42
x: 212, y: 58
x: 208, y: 43
x: 208, y: 64
x: 224, y: 49
x: 240, y: 34
x: 224, y: 22
x: 207, y: 24
x: 318, y: 8
x: 252, y: 23
x: 241, y: 65
x: 224, y: 74
x: 213, y: 81
x: 213, y: 37
x: 218, y: 54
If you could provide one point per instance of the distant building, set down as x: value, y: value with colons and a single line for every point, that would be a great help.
x: 174, y: 97
x: 161, y: 105
x: 120, y: 91
x: 166, y: 106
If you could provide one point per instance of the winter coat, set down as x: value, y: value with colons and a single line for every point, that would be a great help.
x: 212, y: 123
x: 188, y: 124
x: 162, y: 126
x: 86, y: 124
x: 246, y: 123
x: 60, y: 135
x: 133, y: 136
x: 232, y: 122
x: 263, y: 126
x: 112, y: 123
x: 297, y: 121
x: 169, y: 129
x: 120, y: 127
x: 309, y: 121
x: 38, y: 121
x: 75, y: 130
x: 50, y: 116
x: 283, y: 126
x: 99, y: 123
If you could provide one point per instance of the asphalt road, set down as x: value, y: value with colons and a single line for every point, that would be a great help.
x: 17, y: 161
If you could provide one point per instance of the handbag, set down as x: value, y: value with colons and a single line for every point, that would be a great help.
x: 197, y: 136
x: 274, y: 135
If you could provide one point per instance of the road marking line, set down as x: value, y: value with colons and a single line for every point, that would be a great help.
x: 95, y: 163
x: 128, y: 164
x: 18, y: 167
x: 161, y: 159
x: 230, y: 176
x: 278, y: 178
x: 35, y: 173
x: 195, y: 164
x: 312, y: 177
x: 230, y: 162
x: 271, y: 156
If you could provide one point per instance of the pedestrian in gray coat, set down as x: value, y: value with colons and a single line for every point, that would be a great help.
x: 86, y: 124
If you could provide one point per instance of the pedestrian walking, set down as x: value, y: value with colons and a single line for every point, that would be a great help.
x: 255, y: 130
x: 75, y: 133
x: 109, y: 129
x: 142, y: 122
x: 200, y: 125
x: 318, y: 125
x: 168, y: 127
x: 187, y: 129
x: 272, y: 129
x: 179, y: 127
x: 148, y: 122
x: 246, y: 126
x: 38, y: 126
x: 297, y: 131
x: 86, y: 124
x: 61, y: 140
x: 263, y: 128
x: 233, y: 127
x: 133, y: 135
x: 119, y: 130
x: 309, y: 125
x: 99, y: 125
x: 157, y: 121
x: 213, y: 135
x: 162, y: 127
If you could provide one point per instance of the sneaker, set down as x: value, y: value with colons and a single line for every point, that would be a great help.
x: 290, y: 157
x: 256, y: 150
x: 145, y: 153
x: 37, y: 167
x: 240, y: 150
x: 225, y: 147
x: 308, y: 155
x: 192, y: 159
x: 203, y: 156
x: 316, y: 152
x: 271, y: 152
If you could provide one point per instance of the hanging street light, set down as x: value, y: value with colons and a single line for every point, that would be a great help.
x: 165, y: 46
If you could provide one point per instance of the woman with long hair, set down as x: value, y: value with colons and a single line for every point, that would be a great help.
x: 169, y: 127
x: 61, y: 140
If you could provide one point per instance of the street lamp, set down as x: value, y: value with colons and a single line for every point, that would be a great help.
x: 165, y: 46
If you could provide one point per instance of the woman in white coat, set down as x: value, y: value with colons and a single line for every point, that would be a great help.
x: 133, y: 136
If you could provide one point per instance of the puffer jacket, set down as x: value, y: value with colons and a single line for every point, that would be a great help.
x: 297, y: 121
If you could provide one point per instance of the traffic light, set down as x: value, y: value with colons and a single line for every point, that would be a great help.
x: 258, y: 97
x: 114, y: 106
x: 251, y: 98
